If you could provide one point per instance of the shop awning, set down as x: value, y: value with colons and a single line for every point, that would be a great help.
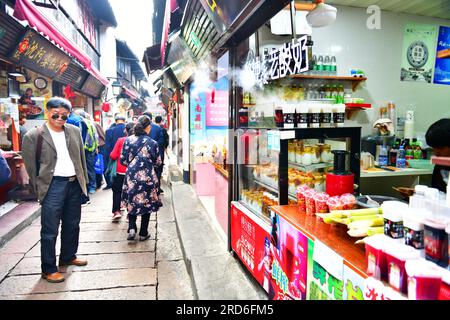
x: 26, y: 11
x: 131, y: 93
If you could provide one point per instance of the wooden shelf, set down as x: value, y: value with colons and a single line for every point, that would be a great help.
x: 356, y: 80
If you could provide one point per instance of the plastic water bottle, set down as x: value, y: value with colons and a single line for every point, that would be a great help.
x: 383, y: 157
x: 401, y: 158
x: 319, y: 65
x: 327, y: 65
x: 333, y: 70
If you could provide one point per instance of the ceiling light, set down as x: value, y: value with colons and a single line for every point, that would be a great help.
x: 322, y: 15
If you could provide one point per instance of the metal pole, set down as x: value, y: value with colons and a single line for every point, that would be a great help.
x: 293, y: 27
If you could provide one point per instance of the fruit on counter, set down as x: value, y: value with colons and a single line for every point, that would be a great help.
x: 363, y: 232
x: 377, y: 221
x: 356, y: 212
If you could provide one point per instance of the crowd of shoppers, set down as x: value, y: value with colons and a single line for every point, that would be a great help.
x: 60, y: 158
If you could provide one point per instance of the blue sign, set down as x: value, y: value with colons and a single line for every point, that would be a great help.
x: 442, y: 68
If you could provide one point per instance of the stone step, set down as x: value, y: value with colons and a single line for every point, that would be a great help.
x: 17, y: 219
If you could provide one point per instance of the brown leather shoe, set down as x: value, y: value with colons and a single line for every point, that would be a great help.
x: 74, y: 262
x: 53, y: 277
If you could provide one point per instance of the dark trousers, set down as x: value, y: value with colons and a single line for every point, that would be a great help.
x: 90, y: 165
x: 117, y: 191
x: 106, y: 161
x: 61, y: 204
x: 159, y: 170
x: 99, y: 178
x: 145, y: 219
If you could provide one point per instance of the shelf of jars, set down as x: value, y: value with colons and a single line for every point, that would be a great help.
x: 310, y: 168
x: 355, y: 80
x: 274, y: 189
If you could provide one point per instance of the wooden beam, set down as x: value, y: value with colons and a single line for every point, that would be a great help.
x: 302, y: 6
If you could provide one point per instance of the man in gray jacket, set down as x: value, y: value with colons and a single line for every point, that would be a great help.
x: 57, y: 171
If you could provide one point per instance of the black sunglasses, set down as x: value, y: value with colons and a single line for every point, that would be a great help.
x: 57, y: 116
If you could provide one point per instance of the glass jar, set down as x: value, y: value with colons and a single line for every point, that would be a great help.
x: 326, y: 155
x: 315, y: 154
x: 292, y: 152
x: 299, y: 154
x: 307, y: 158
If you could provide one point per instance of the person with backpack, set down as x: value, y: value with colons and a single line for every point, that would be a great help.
x: 55, y: 161
x: 90, y: 147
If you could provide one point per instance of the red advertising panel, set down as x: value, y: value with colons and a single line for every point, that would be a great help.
x: 248, y: 239
x: 276, y: 256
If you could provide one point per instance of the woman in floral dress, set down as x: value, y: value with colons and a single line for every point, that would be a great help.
x: 140, y: 196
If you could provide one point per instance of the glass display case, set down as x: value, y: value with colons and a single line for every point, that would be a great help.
x: 272, y: 163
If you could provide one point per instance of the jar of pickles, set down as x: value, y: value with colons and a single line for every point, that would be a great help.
x: 307, y: 158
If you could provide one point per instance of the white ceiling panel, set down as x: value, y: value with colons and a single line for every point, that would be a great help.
x: 430, y: 8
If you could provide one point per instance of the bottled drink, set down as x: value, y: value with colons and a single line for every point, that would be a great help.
x: 279, y: 119
x: 319, y: 68
x: 333, y: 70
x: 401, y: 158
x: 313, y: 64
x: 340, y: 95
x: 327, y: 65
x: 383, y: 157
x: 393, y: 156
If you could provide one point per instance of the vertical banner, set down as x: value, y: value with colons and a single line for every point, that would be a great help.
x: 197, y: 114
x: 419, y: 43
x: 442, y: 68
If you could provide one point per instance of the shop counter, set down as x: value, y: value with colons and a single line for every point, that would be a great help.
x: 334, y: 236
x: 221, y: 196
x: 403, y: 172
x: 204, y: 183
x: 297, y: 256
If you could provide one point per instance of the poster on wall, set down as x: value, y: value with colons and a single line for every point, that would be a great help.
x: 197, y: 114
x: 217, y: 104
x: 419, y: 49
x: 442, y: 67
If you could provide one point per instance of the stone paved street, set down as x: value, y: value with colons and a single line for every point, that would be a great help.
x: 117, y: 268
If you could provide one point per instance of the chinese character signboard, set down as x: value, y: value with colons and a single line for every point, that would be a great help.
x: 197, y: 114
x: 217, y: 104
x: 40, y: 55
x: 92, y: 87
x: 290, y: 59
x: 442, y: 68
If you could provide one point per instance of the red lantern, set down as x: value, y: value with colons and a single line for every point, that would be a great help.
x: 97, y: 116
x: 106, y: 107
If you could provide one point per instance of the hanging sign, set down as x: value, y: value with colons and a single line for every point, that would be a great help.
x: 38, y: 54
x: 291, y: 58
x: 442, y: 66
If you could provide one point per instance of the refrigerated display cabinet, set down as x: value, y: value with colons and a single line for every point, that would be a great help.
x: 271, y: 163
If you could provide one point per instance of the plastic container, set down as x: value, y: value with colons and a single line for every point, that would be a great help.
x: 444, y: 291
x: 310, y: 202
x: 301, y: 200
x: 424, y: 280
x: 321, y: 202
x: 396, y: 257
x: 413, y: 229
x: 348, y: 200
x: 436, y: 242
x: 335, y: 203
x: 420, y: 164
x: 393, y: 218
x: 375, y: 256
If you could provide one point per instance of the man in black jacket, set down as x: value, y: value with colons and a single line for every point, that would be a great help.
x: 116, y: 131
x: 438, y: 137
